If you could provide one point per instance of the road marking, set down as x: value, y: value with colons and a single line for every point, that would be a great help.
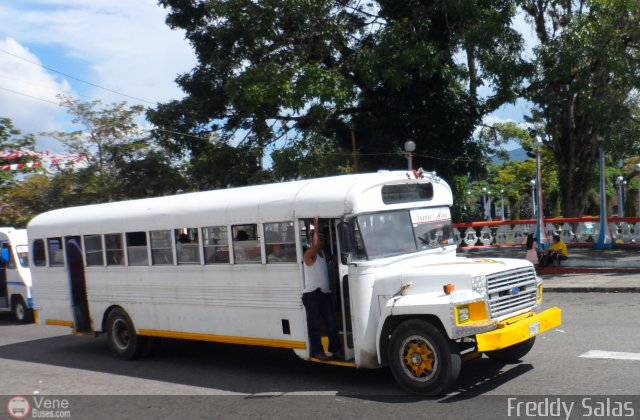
x: 617, y: 355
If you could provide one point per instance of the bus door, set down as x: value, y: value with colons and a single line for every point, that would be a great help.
x: 5, y: 257
x: 77, y: 283
x: 335, y: 282
x: 341, y: 274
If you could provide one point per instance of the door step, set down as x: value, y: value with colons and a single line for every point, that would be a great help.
x: 345, y: 363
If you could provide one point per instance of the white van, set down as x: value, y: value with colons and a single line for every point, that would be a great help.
x: 15, y: 277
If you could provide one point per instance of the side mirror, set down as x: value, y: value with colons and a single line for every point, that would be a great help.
x: 347, y: 243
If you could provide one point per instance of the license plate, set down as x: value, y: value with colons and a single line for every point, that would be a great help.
x: 534, y: 328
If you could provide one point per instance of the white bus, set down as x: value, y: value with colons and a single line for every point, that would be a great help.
x: 199, y: 266
x: 15, y: 277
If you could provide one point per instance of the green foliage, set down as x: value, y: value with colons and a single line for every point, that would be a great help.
x: 310, y: 157
x: 586, y: 75
x: 24, y: 200
x: 12, y: 140
x: 120, y: 164
x: 316, y: 69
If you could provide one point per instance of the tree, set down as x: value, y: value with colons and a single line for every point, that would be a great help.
x: 120, y: 163
x: 12, y: 140
x: 586, y: 71
x: 24, y: 200
x: 291, y: 74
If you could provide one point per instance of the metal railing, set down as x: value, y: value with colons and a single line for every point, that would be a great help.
x: 573, y: 231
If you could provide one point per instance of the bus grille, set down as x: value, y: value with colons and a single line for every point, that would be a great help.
x: 511, y: 291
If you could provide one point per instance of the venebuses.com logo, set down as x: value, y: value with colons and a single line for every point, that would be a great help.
x: 18, y: 407
x: 38, y: 406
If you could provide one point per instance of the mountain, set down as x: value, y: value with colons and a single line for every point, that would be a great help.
x: 515, y: 155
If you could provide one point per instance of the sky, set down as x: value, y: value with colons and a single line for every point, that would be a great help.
x: 111, y: 50
x: 88, y: 49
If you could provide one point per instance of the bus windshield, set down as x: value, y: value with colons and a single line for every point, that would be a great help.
x: 386, y: 234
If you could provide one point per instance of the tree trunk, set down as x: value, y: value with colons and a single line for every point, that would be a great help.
x: 575, y: 147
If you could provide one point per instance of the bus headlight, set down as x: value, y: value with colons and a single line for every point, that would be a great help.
x: 462, y: 314
x: 472, y: 312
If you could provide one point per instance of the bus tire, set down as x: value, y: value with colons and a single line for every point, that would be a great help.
x: 123, y: 341
x: 513, y: 353
x: 422, y: 359
x: 20, y: 310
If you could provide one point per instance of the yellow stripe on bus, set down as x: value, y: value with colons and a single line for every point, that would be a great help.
x: 265, y: 342
x: 59, y: 322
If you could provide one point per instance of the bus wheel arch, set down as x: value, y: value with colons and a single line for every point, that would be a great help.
x: 392, y: 322
x: 124, y: 342
x: 20, y: 309
x: 422, y: 359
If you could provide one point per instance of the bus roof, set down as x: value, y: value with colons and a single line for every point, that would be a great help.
x: 325, y: 197
x: 13, y: 235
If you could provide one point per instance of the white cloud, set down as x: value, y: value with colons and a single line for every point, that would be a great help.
x: 122, y: 45
x: 27, y: 91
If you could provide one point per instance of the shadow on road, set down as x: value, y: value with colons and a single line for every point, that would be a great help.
x: 242, y: 369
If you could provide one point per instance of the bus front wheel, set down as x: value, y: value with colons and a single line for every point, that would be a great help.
x: 422, y: 360
x: 124, y: 343
x: 20, y: 310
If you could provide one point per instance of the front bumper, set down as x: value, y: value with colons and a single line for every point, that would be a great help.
x: 518, y: 329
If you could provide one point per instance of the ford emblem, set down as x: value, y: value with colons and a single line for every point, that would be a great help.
x: 515, y: 291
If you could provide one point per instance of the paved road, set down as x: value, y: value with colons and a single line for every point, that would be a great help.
x: 205, y: 380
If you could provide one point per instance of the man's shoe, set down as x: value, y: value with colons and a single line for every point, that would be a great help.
x: 320, y: 356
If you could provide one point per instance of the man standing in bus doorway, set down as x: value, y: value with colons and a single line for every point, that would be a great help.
x: 316, y: 297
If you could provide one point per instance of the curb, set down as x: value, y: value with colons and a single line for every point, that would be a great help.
x: 587, y: 289
x: 586, y: 270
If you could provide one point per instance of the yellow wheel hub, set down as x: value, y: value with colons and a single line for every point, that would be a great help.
x: 417, y: 358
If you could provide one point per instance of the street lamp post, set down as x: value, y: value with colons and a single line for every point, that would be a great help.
x: 624, y: 195
x: 533, y: 197
x: 502, y: 203
x: 489, y: 200
x: 409, y: 148
x: 604, y: 239
x: 638, y: 171
x: 620, y: 182
x: 486, y: 203
x: 542, y: 238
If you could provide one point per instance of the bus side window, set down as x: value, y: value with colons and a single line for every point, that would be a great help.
x: 56, y: 256
x: 279, y: 242
x: 39, y: 257
x: 216, y: 244
x: 137, y: 248
x: 187, y: 246
x: 161, y: 251
x: 115, y: 254
x: 93, y: 250
x: 246, y: 246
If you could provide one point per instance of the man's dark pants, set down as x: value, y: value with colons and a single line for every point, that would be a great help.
x: 319, y: 304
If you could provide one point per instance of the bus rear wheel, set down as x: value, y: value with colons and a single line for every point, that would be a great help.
x: 123, y: 341
x: 20, y: 310
x: 422, y: 360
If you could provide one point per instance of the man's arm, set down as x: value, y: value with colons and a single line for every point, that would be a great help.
x: 310, y: 255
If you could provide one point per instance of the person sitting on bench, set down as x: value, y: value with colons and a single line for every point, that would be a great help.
x: 558, y: 251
